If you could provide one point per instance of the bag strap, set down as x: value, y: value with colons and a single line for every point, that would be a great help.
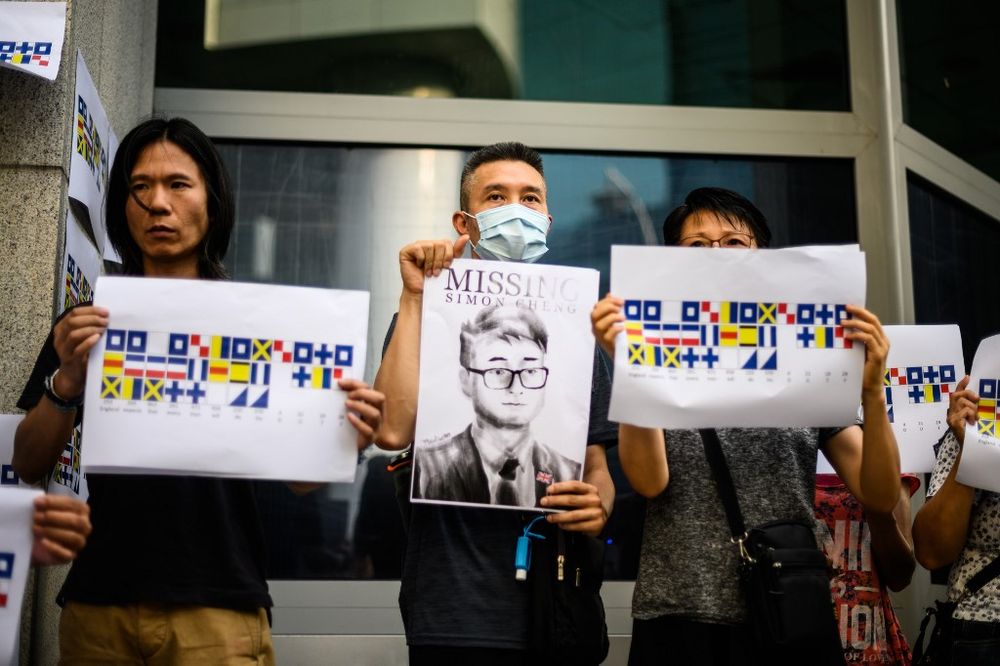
x: 942, y: 611
x: 724, y: 481
x: 984, y: 576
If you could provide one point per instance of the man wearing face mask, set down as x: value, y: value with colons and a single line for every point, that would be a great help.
x: 459, y: 598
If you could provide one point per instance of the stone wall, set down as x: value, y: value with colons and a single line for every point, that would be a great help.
x: 118, y: 42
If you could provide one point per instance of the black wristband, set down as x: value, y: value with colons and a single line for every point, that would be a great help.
x: 57, y: 401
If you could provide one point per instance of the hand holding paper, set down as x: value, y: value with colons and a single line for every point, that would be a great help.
x: 582, y: 503
x: 60, y: 526
x: 364, y: 405
x: 368, y: 406
x: 962, y: 407
x: 427, y: 258
x: 864, y: 327
x: 73, y: 337
x: 607, y: 321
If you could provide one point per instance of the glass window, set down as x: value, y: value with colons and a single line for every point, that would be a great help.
x: 953, y: 249
x: 598, y: 201
x: 730, y: 53
x: 319, y: 215
x: 948, y: 59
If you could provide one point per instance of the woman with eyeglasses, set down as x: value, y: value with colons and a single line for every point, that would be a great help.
x: 688, y: 606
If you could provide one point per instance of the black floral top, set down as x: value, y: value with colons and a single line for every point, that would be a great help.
x: 981, y: 545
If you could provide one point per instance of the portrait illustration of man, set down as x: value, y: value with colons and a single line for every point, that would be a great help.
x: 496, y: 459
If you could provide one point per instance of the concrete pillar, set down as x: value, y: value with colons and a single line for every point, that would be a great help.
x: 117, y: 39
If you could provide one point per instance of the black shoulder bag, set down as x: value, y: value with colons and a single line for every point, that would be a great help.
x: 938, y: 650
x: 567, y: 623
x: 784, y: 575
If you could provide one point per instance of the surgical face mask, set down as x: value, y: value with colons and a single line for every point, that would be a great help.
x: 511, y: 233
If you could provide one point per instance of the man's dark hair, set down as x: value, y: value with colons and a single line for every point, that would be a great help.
x: 504, y: 323
x: 512, y: 151
x: 221, y: 209
x: 730, y: 206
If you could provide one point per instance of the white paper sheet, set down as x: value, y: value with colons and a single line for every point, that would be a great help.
x: 81, y: 266
x: 67, y: 476
x: 223, y: 379
x: 980, y: 464
x: 8, y: 426
x: 736, y: 338
x: 544, y: 428
x: 16, y: 513
x: 31, y: 37
x: 923, y: 367
x: 94, y: 145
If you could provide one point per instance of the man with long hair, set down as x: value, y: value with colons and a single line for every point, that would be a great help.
x: 174, y: 569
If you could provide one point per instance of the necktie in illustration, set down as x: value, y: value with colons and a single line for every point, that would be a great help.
x: 506, y: 494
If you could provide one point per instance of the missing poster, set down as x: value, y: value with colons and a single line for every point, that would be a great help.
x: 506, y: 360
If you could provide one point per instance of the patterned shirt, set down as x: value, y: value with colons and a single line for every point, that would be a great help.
x: 869, y: 630
x: 981, y: 545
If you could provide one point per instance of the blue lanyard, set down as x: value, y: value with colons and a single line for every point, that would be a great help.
x: 522, y: 556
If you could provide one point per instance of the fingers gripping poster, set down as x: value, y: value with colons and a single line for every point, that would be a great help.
x: 223, y: 379
x: 506, y: 357
x: 979, y: 466
x: 922, y: 369
x: 736, y: 338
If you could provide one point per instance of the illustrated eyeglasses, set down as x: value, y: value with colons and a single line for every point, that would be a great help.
x: 733, y: 239
x: 503, y: 378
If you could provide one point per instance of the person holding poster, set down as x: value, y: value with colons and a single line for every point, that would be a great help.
x: 459, y: 599
x: 688, y: 605
x: 505, y: 401
x: 960, y: 526
x: 174, y: 569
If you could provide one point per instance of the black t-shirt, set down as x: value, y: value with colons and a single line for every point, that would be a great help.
x: 458, y: 587
x: 163, y: 539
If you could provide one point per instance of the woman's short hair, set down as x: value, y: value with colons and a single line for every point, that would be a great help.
x: 730, y: 206
x: 221, y: 209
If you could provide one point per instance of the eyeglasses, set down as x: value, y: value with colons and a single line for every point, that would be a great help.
x: 732, y: 239
x: 503, y: 378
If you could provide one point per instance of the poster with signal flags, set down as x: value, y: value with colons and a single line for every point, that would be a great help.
x: 923, y: 368
x: 16, y: 513
x: 218, y: 378
x: 980, y: 463
x: 736, y: 337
